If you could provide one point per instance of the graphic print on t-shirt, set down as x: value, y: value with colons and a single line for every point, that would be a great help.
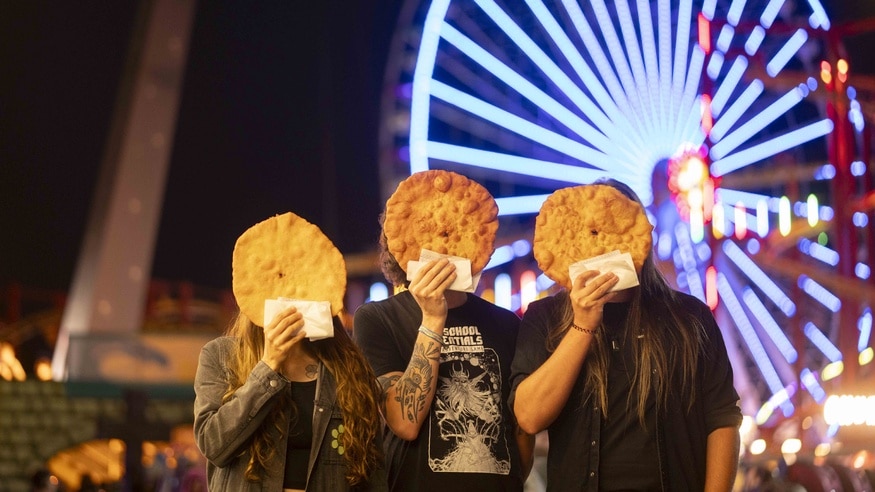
x: 465, y: 429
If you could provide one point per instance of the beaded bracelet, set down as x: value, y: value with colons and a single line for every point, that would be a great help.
x: 430, y: 334
x: 582, y: 329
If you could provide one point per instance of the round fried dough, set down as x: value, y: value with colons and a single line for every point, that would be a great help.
x: 585, y: 221
x: 444, y: 212
x: 286, y: 256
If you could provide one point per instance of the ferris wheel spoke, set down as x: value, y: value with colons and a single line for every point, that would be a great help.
x: 528, y: 90
x: 728, y: 85
x: 756, y: 124
x: 737, y: 109
x: 545, y: 64
x: 771, y: 147
x: 622, y: 130
x: 751, y: 339
x: 508, y: 163
x: 521, y: 126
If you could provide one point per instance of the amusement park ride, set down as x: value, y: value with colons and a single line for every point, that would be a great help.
x: 741, y: 125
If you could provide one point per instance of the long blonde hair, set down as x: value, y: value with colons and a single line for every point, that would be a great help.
x: 357, y: 397
x: 667, y: 355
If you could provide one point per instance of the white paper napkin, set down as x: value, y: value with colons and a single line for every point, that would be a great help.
x: 464, y: 282
x: 317, y: 315
x: 619, y: 263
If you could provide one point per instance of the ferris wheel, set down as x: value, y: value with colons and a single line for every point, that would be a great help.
x: 734, y: 121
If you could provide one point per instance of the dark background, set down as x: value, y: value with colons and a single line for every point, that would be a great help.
x: 279, y: 112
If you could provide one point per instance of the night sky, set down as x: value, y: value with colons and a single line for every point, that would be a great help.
x: 279, y: 112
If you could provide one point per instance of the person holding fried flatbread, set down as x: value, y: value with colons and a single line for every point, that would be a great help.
x: 278, y: 408
x: 443, y: 355
x: 633, y: 385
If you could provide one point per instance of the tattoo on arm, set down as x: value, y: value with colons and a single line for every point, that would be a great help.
x: 386, y: 382
x: 412, y: 390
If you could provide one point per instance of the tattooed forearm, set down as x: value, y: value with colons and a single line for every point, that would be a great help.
x: 414, y: 387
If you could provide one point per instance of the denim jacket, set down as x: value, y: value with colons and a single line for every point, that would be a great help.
x: 223, y: 432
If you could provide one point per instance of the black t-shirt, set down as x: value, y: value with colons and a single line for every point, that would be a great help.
x: 300, y: 435
x: 468, y: 441
x: 628, y: 452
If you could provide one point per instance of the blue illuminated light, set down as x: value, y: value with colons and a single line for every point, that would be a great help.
x: 688, y: 266
x: 770, y: 12
x: 503, y: 291
x: 822, y: 342
x: 737, y: 109
x: 825, y: 172
x: 501, y: 255
x: 864, y: 324
x: 378, y: 292
x: 862, y: 271
x: 715, y: 65
x: 757, y: 34
x: 735, y: 10
x: 763, y: 281
x: 725, y: 37
x: 753, y: 247
x: 521, y: 247
x: 728, y: 85
x: 767, y: 321
x: 771, y: 147
x: 858, y: 168
x: 520, y: 205
x: 818, y: 16
x: 819, y: 293
x: 860, y: 219
x: 513, y: 164
x: 776, y: 64
x: 756, y: 124
x: 809, y: 380
x: 816, y: 251
x: 421, y: 81
x: 748, y: 334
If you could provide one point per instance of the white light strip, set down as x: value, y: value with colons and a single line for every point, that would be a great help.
x: 543, y: 61
x: 518, y: 125
x: 725, y: 38
x: 771, y: 147
x: 681, y: 52
x: 750, y: 200
x: 525, y: 166
x: 819, y: 293
x: 737, y: 109
x: 770, y: 12
x: 664, y: 28
x: 757, y: 35
x: 735, y: 10
x: 763, y: 281
x: 531, y: 92
x: 767, y: 321
x: 633, y: 55
x: 618, y: 58
x: 819, y: 14
x: 777, y: 63
x: 690, y: 99
x: 756, y: 124
x: 822, y: 342
x: 715, y: 65
x: 420, y: 88
x: 748, y: 334
x: 688, y: 261
x: 603, y: 65
x: 727, y: 85
x: 864, y: 324
x: 590, y: 80
x: 520, y: 205
x: 708, y: 7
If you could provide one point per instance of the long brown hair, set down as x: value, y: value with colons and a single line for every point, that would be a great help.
x: 667, y: 354
x: 357, y: 397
